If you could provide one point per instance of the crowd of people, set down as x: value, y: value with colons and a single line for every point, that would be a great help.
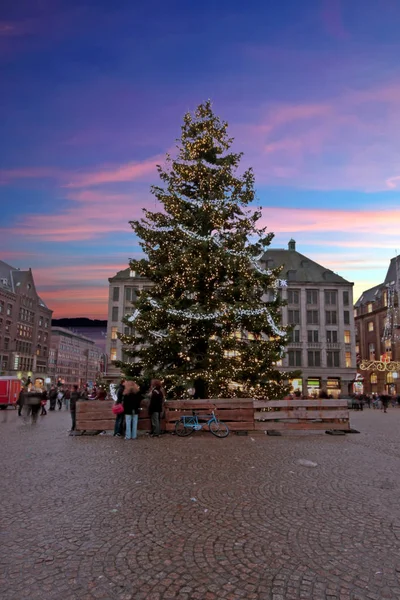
x: 377, y: 401
x: 127, y: 405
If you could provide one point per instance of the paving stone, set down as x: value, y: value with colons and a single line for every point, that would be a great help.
x: 90, y: 518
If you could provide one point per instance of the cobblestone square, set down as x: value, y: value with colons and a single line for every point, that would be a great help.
x: 93, y: 518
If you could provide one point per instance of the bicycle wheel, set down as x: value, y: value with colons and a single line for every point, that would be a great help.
x: 182, y: 430
x: 219, y: 429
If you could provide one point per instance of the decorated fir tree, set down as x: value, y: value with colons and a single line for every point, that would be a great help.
x: 205, y: 324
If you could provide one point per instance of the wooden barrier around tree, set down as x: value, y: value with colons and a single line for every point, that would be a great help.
x: 301, y: 414
x: 240, y: 414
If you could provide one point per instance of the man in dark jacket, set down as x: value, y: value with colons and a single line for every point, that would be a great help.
x: 156, y: 407
x: 75, y: 395
x: 119, y: 419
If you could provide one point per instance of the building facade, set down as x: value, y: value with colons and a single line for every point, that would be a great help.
x: 320, y: 310
x: 123, y: 290
x: 319, y: 307
x: 25, y: 325
x: 378, y: 335
x: 74, y: 358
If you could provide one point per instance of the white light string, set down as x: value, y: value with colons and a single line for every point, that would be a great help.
x: 188, y: 314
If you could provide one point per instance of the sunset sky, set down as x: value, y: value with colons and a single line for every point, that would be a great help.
x: 93, y: 94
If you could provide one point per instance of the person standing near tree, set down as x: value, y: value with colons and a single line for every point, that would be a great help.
x: 119, y: 419
x: 74, y: 397
x: 156, y: 407
x: 131, y: 400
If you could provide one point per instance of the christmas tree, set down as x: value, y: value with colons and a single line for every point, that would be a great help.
x: 205, y: 323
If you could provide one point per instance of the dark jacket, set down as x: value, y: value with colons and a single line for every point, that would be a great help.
x: 131, y: 403
x: 120, y: 393
x: 73, y: 400
x: 156, y: 401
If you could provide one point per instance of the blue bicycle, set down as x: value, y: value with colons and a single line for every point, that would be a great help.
x: 187, y: 425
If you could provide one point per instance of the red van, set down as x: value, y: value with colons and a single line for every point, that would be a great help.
x: 10, y: 388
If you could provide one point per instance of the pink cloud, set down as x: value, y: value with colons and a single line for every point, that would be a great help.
x: 126, y: 172
x: 89, y: 302
x: 387, y: 222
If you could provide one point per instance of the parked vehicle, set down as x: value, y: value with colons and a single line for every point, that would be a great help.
x: 10, y: 388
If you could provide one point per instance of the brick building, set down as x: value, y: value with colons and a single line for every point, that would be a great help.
x: 378, y: 335
x: 25, y: 325
x: 74, y: 358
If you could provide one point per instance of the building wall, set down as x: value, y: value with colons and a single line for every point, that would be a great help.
x: 24, y: 328
x: 122, y: 295
x: 74, y: 359
x: 328, y: 338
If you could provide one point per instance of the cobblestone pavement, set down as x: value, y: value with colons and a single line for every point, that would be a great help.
x: 200, y: 518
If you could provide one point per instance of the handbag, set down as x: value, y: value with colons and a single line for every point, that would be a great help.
x: 118, y: 409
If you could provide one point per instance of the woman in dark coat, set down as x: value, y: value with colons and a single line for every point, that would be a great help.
x: 156, y: 406
x: 131, y: 400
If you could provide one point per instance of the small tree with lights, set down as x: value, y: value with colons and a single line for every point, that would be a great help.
x: 205, y: 324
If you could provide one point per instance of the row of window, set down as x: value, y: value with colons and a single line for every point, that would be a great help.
x: 313, y: 317
x: 130, y: 293
x: 26, y: 315
x: 22, y: 363
x: 5, y: 309
x: 314, y: 358
x: 313, y: 336
x: 24, y: 347
x: 312, y: 297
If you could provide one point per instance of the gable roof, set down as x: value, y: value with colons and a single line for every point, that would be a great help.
x: 300, y: 268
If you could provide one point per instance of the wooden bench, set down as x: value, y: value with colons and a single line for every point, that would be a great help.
x: 301, y: 414
x: 97, y: 415
x: 237, y: 413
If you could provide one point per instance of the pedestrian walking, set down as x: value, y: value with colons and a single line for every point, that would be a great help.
x: 31, y: 404
x: 20, y: 401
x: 119, y: 418
x: 156, y: 407
x: 131, y: 400
x: 60, y: 396
x: 43, y: 403
x: 53, y: 397
x: 67, y: 396
x: 74, y: 397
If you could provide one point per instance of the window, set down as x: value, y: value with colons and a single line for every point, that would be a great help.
x: 1, y: 306
x: 46, y: 322
x: 371, y: 351
x: 370, y: 325
x: 113, y: 354
x: 314, y: 358
x: 312, y: 296
x: 348, y: 359
x: 385, y: 298
x: 346, y: 317
x: 294, y: 358
x: 115, y: 294
x: 333, y: 358
x: 369, y: 307
x: 330, y: 317
x: 374, y: 378
x: 132, y: 273
x: 293, y: 317
x: 346, y: 298
x: 389, y: 378
x: 331, y: 336
x: 114, y: 316
x: 6, y: 343
x: 312, y: 317
x: 7, y: 327
x: 114, y: 333
x: 293, y: 297
x: 331, y: 297
x: 294, y: 335
x: 312, y: 335
x: 129, y: 294
x: 127, y: 331
x: 9, y: 309
x: 40, y: 322
x: 347, y: 337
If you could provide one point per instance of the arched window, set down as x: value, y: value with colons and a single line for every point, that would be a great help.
x: 389, y: 378
x: 374, y: 378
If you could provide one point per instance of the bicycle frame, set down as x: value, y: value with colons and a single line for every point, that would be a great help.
x: 193, y: 421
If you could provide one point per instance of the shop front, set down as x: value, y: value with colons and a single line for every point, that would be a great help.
x: 313, y: 386
x: 296, y: 386
x: 333, y: 387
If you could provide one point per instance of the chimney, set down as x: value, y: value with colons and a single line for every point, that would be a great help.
x: 292, y: 245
